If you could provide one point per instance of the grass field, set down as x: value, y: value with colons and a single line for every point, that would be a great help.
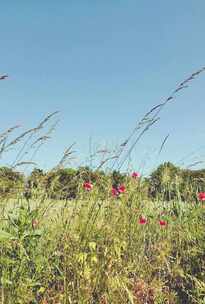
x: 119, y: 249
x: 113, y: 242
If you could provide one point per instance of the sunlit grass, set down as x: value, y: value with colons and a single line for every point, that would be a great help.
x: 93, y: 250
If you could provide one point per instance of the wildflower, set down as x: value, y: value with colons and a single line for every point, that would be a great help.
x: 201, y: 196
x: 135, y: 175
x: 121, y: 189
x: 35, y: 223
x: 162, y: 223
x: 87, y: 186
x: 115, y: 192
x: 142, y: 220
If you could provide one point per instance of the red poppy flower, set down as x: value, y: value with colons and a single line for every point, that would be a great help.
x: 135, y: 175
x: 115, y: 192
x: 87, y: 186
x: 162, y: 223
x: 121, y: 189
x: 201, y: 196
x: 142, y: 220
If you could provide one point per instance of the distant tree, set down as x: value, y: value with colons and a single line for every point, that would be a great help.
x: 165, y: 181
x: 61, y: 183
x: 36, y: 177
x: 170, y: 182
x: 11, y: 182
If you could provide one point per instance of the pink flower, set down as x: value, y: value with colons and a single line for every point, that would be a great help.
x: 87, y: 186
x: 135, y: 175
x: 142, y: 220
x: 121, y: 189
x: 115, y: 192
x: 201, y: 196
x: 162, y: 223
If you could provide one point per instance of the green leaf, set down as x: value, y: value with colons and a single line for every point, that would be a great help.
x: 5, y: 236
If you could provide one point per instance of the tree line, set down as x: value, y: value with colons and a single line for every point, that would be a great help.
x: 166, y: 182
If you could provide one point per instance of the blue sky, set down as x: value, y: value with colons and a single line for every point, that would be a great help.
x: 103, y: 64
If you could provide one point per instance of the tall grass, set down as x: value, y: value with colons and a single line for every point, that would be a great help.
x: 99, y: 247
x: 90, y: 250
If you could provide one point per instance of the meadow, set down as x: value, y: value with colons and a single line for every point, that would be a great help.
x: 121, y: 248
x: 75, y: 236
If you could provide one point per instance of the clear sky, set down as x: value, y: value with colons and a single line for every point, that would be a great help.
x: 103, y: 64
